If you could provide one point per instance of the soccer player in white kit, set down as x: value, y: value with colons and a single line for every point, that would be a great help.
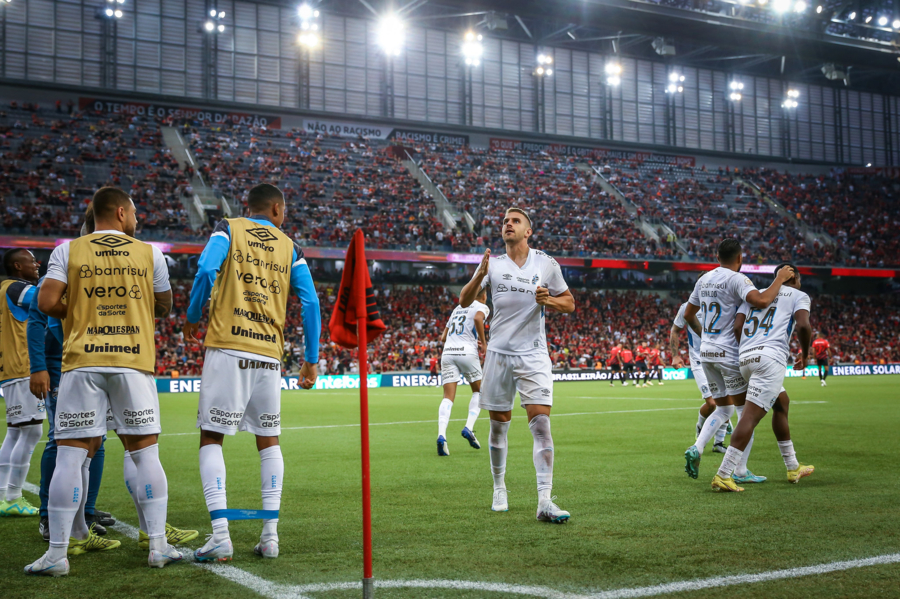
x: 765, y: 337
x: 709, y: 405
x: 463, y: 340
x: 719, y: 293
x: 524, y: 283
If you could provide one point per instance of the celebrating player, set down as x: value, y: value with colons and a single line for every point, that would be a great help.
x: 463, y: 337
x: 765, y: 337
x: 640, y: 365
x: 615, y: 364
x: 524, y: 283
x: 654, y: 360
x: 108, y: 359
x: 709, y: 405
x: 719, y: 293
x: 823, y: 356
x: 248, y: 265
x: 626, y: 359
x: 24, y: 411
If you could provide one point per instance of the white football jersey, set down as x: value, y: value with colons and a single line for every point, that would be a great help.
x: 719, y: 293
x: 693, y: 339
x: 768, y: 331
x: 518, y: 323
x: 462, y: 336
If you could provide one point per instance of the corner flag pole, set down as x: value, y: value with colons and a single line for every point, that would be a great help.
x: 361, y: 324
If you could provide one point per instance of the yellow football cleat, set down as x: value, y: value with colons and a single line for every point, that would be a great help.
x: 174, y: 536
x: 725, y: 484
x: 93, y: 542
x: 802, y: 470
x: 19, y: 507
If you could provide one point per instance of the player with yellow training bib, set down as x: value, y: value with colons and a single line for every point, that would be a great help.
x: 246, y: 271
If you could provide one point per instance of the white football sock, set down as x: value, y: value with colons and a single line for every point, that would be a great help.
x: 79, y: 526
x: 542, y: 454
x: 130, y: 472
x: 720, y: 434
x: 787, y: 453
x: 271, y: 472
x: 741, y: 469
x: 20, y: 460
x: 212, y: 475
x: 9, y: 442
x: 720, y: 416
x: 474, y: 410
x: 700, y: 420
x: 444, y: 416
x: 730, y: 461
x: 497, y: 445
x: 66, y: 495
x: 153, y: 493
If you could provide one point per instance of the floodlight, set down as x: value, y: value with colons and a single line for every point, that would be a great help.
x: 735, y: 97
x: 118, y: 14
x: 109, y: 12
x: 310, y: 40
x: 540, y: 70
x: 222, y: 14
x: 882, y: 21
x: 800, y: 6
x: 781, y: 6
x: 305, y: 11
x: 819, y: 9
x: 896, y: 24
x: 391, y: 34
x: 852, y: 15
x: 549, y: 72
x: 793, y: 93
x: 212, y: 12
x: 209, y: 26
x: 221, y: 28
x: 472, y: 48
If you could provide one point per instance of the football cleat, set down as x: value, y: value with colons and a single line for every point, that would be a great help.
x: 443, y: 450
x: 211, y: 551
x: 470, y: 437
x: 728, y: 428
x: 802, y: 470
x: 719, y: 448
x: 824, y: 384
x: 548, y: 511
x: 44, y: 528
x: 649, y: 383
x: 267, y: 549
x: 725, y: 484
x: 661, y: 383
x: 692, y: 461
x: 19, y: 507
x: 500, y: 503
x: 748, y: 478
x: 159, y: 559
x: 625, y: 384
x: 92, y: 542
x: 174, y: 536
x: 44, y: 567
x: 102, y: 518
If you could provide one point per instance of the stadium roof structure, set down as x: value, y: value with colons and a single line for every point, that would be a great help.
x: 851, y: 43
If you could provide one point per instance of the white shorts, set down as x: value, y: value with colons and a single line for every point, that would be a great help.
x: 700, y: 378
x: 454, y: 367
x: 21, y: 405
x: 723, y: 379
x: 505, y: 374
x: 239, y: 394
x: 90, y: 403
x: 765, y: 377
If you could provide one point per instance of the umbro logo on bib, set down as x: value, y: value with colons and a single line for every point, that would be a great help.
x: 112, y: 242
x: 262, y: 233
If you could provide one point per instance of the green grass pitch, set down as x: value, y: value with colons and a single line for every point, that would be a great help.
x: 637, y: 519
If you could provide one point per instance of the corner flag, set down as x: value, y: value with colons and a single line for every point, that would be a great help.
x: 355, y: 306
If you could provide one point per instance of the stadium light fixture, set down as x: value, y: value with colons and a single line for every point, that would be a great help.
x: 791, y: 100
x: 781, y: 6
x: 613, y: 73
x: 763, y: 2
x: 544, y: 59
x: 118, y: 13
x: 308, y: 40
x: 882, y: 21
x: 209, y: 26
x: 736, y: 88
x: 819, y: 9
x: 391, y: 35
x: 868, y: 19
x: 852, y: 15
x: 868, y: 165
x: 472, y: 48
x: 221, y: 28
x: 213, y: 13
x: 735, y: 96
x: 800, y: 6
x: 896, y: 24
x: 305, y: 11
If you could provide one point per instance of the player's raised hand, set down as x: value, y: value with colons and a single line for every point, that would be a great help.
x: 542, y: 296
x: 190, y: 330
x: 308, y: 375
x: 785, y: 274
x: 483, y: 267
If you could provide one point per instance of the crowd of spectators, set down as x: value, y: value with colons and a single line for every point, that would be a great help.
x: 861, y: 329
x: 860, y: 213
x: 51, y: 162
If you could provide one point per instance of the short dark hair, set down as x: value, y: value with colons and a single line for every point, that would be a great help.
x: 89, y: 225
x: 782, y: 265
x: 107, y: 200
x: 263, y: 196
x: 9, y: 260
x: 520, y: 211
x: 729, y: 250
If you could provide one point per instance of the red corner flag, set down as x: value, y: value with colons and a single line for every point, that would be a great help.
x: 355, y: 299
x: 355, y: 307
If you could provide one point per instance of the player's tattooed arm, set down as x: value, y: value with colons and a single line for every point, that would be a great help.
x: 471, y: 289
x: 50, y: 298
x: 162, y: 303
x: 690, y: 316
x: 674, y: 343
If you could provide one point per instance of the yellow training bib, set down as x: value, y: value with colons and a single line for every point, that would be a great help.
x: 14, y: 363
